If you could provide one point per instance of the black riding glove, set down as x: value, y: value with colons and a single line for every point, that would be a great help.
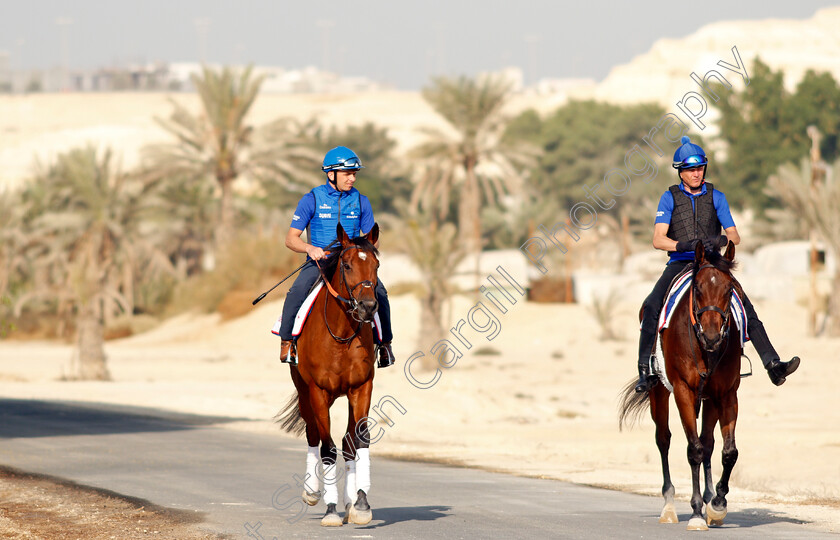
x: 687, y: 245
x: 713, y: 244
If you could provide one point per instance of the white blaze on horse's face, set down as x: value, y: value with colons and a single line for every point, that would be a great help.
x: 363, y: 255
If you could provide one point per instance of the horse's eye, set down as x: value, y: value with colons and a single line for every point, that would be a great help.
x: 346, y: 266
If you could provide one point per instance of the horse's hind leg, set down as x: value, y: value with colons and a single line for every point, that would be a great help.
x: 311, y: 480
x: 321, y: 402
x: 729, y: 455
x: 659, y: 412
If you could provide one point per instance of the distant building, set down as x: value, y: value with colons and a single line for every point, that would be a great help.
x: 174, y: 77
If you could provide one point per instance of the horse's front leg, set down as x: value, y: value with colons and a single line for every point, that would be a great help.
x: 707, y: 438
x: 659, y: 397
x: 684, y: 397
x: 729, y: 455
x: 348, y: 452
x: 321, y: 402
x: 359, y: 512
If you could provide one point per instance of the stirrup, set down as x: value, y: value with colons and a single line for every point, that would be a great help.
x: 750, y: 372
x: 291, y: 354
x: 384, y: 355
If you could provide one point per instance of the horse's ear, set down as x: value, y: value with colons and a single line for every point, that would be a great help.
x: 373, y: 235
x: 699, y: 252
x: 341, y: 235
x: 730, y: 251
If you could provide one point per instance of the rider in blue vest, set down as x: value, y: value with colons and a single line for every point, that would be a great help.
x: 318, y: 213
x: 690, y: 212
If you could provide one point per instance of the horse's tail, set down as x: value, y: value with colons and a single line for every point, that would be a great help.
x: 633, y: 405
x: 290, y: 419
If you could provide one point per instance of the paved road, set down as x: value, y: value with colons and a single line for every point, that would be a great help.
x: 242, y: 483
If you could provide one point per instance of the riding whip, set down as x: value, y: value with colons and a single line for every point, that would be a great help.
x: 260, y: 297
x: 295, y: 271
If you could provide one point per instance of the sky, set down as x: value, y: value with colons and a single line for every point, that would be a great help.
x: 402, y: 44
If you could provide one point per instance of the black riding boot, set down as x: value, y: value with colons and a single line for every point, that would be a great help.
x: 776, y: 369
x: 646, y: 379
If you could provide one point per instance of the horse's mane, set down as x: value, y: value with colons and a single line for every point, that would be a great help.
x: 331, y: 262
x: 718, y: 261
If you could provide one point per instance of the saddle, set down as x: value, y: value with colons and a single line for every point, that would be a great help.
x: 306, y: 307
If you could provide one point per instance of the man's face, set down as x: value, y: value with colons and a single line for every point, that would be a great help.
x: 344, y: 180
x: 692, y: 177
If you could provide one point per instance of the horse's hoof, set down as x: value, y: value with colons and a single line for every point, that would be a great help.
x: 715, y: 517
x: 346, y: 518
x: 331, y: 518
x: 697, y: 524
x: 360, y: 512
x: 669, y: 514
x: 713, y: 522
x: 311, y: 498
x: 360, y: 517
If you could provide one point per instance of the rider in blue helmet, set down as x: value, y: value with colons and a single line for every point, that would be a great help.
x: 318, y: 214
x: 690, y: 212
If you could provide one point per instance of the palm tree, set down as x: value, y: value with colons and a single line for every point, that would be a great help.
x: 476, y: 160
x: 12, y: 263
x: 11, y: 215
x: 83, y: 221
x: 435, y: 249
x: 220, y: 144
x: 818, y: 203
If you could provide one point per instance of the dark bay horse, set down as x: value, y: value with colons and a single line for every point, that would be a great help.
x: 336, y: 358
x: 702, y: 361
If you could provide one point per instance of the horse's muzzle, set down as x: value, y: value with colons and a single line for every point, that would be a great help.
x: 364, y: 310
x: 712, y: 340
x: 711, y: 343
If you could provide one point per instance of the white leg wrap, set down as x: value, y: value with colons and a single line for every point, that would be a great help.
x: 311, y: 482
x: 363, y: 469
x: 330, y: 484
x: 350, y: 482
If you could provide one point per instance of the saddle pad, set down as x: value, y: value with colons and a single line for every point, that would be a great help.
x: 675, y: 294
x: 302, y: 313
x: 679, y: 289
x: 304, y: 310
x: 658, y: 366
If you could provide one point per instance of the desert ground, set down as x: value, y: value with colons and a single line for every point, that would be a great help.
x: 538, y: 400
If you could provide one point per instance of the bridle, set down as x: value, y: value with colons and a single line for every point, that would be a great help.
x: 695, y: 312
x: 351, y: 305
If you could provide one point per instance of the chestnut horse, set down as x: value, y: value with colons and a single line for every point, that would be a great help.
x: 335, y: 353
x: 702, y: 361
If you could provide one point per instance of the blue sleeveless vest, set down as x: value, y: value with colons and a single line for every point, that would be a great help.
x: 321, y: 229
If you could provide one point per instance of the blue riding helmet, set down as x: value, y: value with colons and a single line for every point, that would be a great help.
x: 689, y: 155
x: 341, y: 158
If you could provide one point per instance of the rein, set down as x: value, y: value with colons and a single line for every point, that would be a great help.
x: 694, y: 324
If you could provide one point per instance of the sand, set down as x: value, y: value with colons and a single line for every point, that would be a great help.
x: 544, y: 405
